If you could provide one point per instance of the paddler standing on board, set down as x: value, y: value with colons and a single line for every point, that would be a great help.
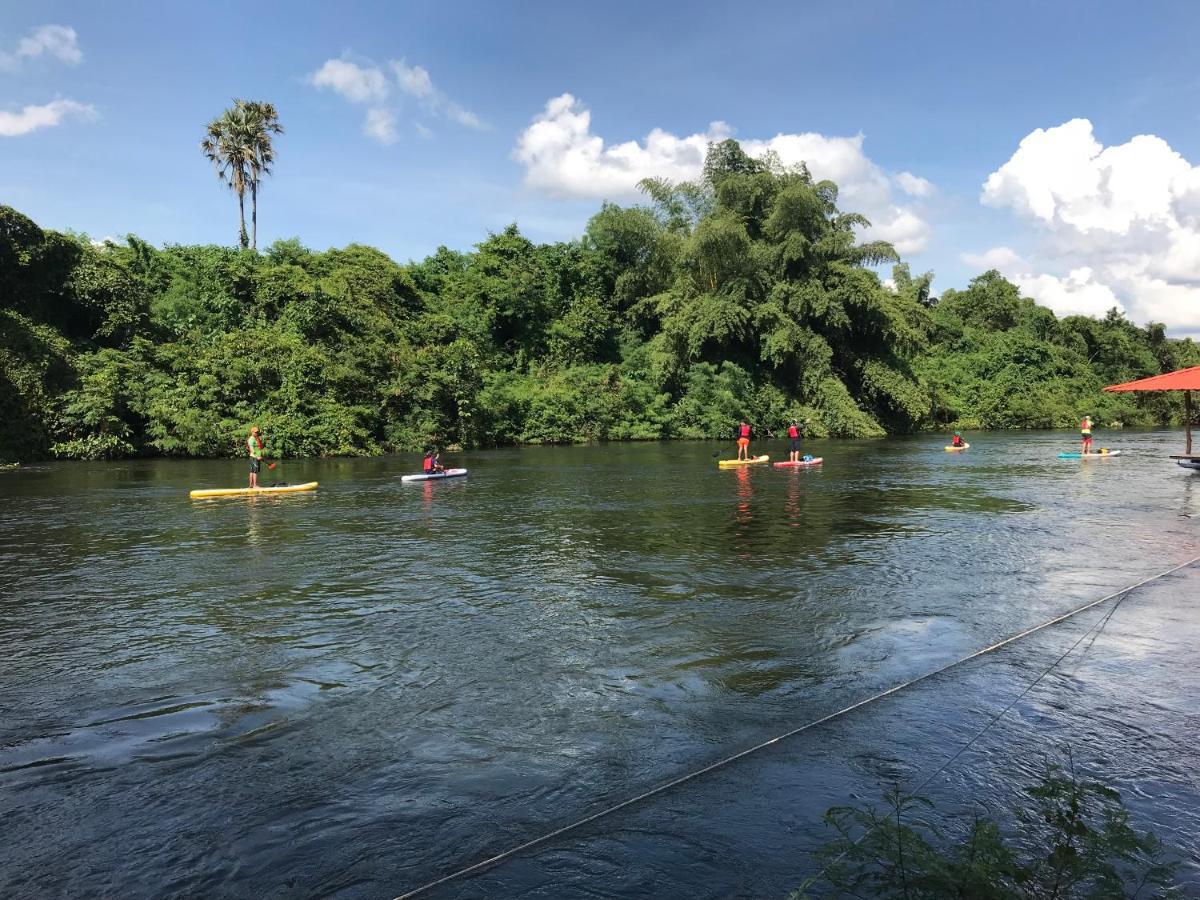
x: 794, y: 442
x: 254, y: 444
x: 1085, y: 432
x: 743, y: 440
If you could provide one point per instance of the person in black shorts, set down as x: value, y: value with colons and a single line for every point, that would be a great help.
x: 794, y: 442
x: 254, y: 445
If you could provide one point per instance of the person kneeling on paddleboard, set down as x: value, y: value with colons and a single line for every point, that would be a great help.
x: 743, y: 440
x: 431, y: 464
x: 957, y: 440
x: 794, y: 442
x: 254, y: 444
x: 1085, y: 432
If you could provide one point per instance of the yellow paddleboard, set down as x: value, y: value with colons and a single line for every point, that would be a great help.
x: 950, y: 449
x: 247, y: 492
x: 729, y: 463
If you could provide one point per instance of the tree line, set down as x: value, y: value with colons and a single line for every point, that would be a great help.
x: 743, y: 294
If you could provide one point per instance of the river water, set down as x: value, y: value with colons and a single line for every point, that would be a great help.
x: 353, y: 692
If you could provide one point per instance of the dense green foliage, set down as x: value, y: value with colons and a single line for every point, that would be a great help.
x: 744, y: 295
x: 1076, y: 840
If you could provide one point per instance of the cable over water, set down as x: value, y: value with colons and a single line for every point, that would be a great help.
x: 500, y: 858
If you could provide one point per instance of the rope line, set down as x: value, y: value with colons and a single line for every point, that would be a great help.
x: 720, y: 763
x: 1094, y: 629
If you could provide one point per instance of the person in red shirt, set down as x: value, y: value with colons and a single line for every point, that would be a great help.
x: 794, y: 442
x: 743, y: 440
x: 432, y: 463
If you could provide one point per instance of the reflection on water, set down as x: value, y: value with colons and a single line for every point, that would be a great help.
x: 351, y: 691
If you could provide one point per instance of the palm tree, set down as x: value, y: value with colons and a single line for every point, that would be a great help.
x: 238, y: 143
x: 225, y: 146
x: 261, y: 122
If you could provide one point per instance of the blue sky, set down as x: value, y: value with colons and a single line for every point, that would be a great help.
x: 939, y: 93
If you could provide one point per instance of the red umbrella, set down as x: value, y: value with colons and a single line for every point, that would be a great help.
x: 1186, y: 380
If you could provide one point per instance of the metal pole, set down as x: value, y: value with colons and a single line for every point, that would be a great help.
x: 1187, y: 420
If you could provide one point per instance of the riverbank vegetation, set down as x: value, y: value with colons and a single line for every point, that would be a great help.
x: 1073, y: 838
x: 745, y: 294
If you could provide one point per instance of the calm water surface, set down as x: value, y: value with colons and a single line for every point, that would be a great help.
x: 352, y: 692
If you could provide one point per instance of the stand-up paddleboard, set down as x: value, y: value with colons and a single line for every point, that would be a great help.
x: 800, y: 463
x: 253, y: 492
x: 436, y: 476
x: 732, y: 463
x: 1098, y: 455
x: 952, y: 449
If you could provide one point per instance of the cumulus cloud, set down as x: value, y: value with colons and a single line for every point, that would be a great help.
x: 413, y: 80
x: 57, y: 41
x: 1117, y: 225
x: 31, y: 118
x: 373, y: 85
x: 1077, y: 294
x: 1003, y: 259
x: 914, y: 184
x: 563, y: 158
x: 358, y: 84
x: 380, y: 124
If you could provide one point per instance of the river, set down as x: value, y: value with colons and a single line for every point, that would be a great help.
x: 352, y: 692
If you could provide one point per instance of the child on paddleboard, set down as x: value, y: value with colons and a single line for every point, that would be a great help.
x: 957, y: 440
x: 742, y: 433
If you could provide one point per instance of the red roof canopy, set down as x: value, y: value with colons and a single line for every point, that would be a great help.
x: 1183, y: 380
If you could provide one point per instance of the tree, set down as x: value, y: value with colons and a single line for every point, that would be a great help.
x: 262, y: 122
x: 238, y: 143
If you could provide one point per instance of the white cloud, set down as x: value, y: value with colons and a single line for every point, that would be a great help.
x: 58, y: 41
x: 373, y: 85
x: 417, y: 83
x: 1078, y: 294
x: 563, y: 158
x: 423, y: 130
x: 1123, y: 223
x: 413, y: 80
x: 914, y: 184
x: 380, y: 124
x: 31, y: 118
x: 358, y: 84
x: 456, y: 113
x: 1003, y: 259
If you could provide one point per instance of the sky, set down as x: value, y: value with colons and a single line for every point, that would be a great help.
x: 1058, y: 142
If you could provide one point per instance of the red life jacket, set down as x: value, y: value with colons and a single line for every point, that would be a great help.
x: 429, y: 464
x: 744, y: 430
x: 793, y: 431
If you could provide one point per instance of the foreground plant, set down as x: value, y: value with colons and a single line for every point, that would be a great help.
x: 1075, y: 841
